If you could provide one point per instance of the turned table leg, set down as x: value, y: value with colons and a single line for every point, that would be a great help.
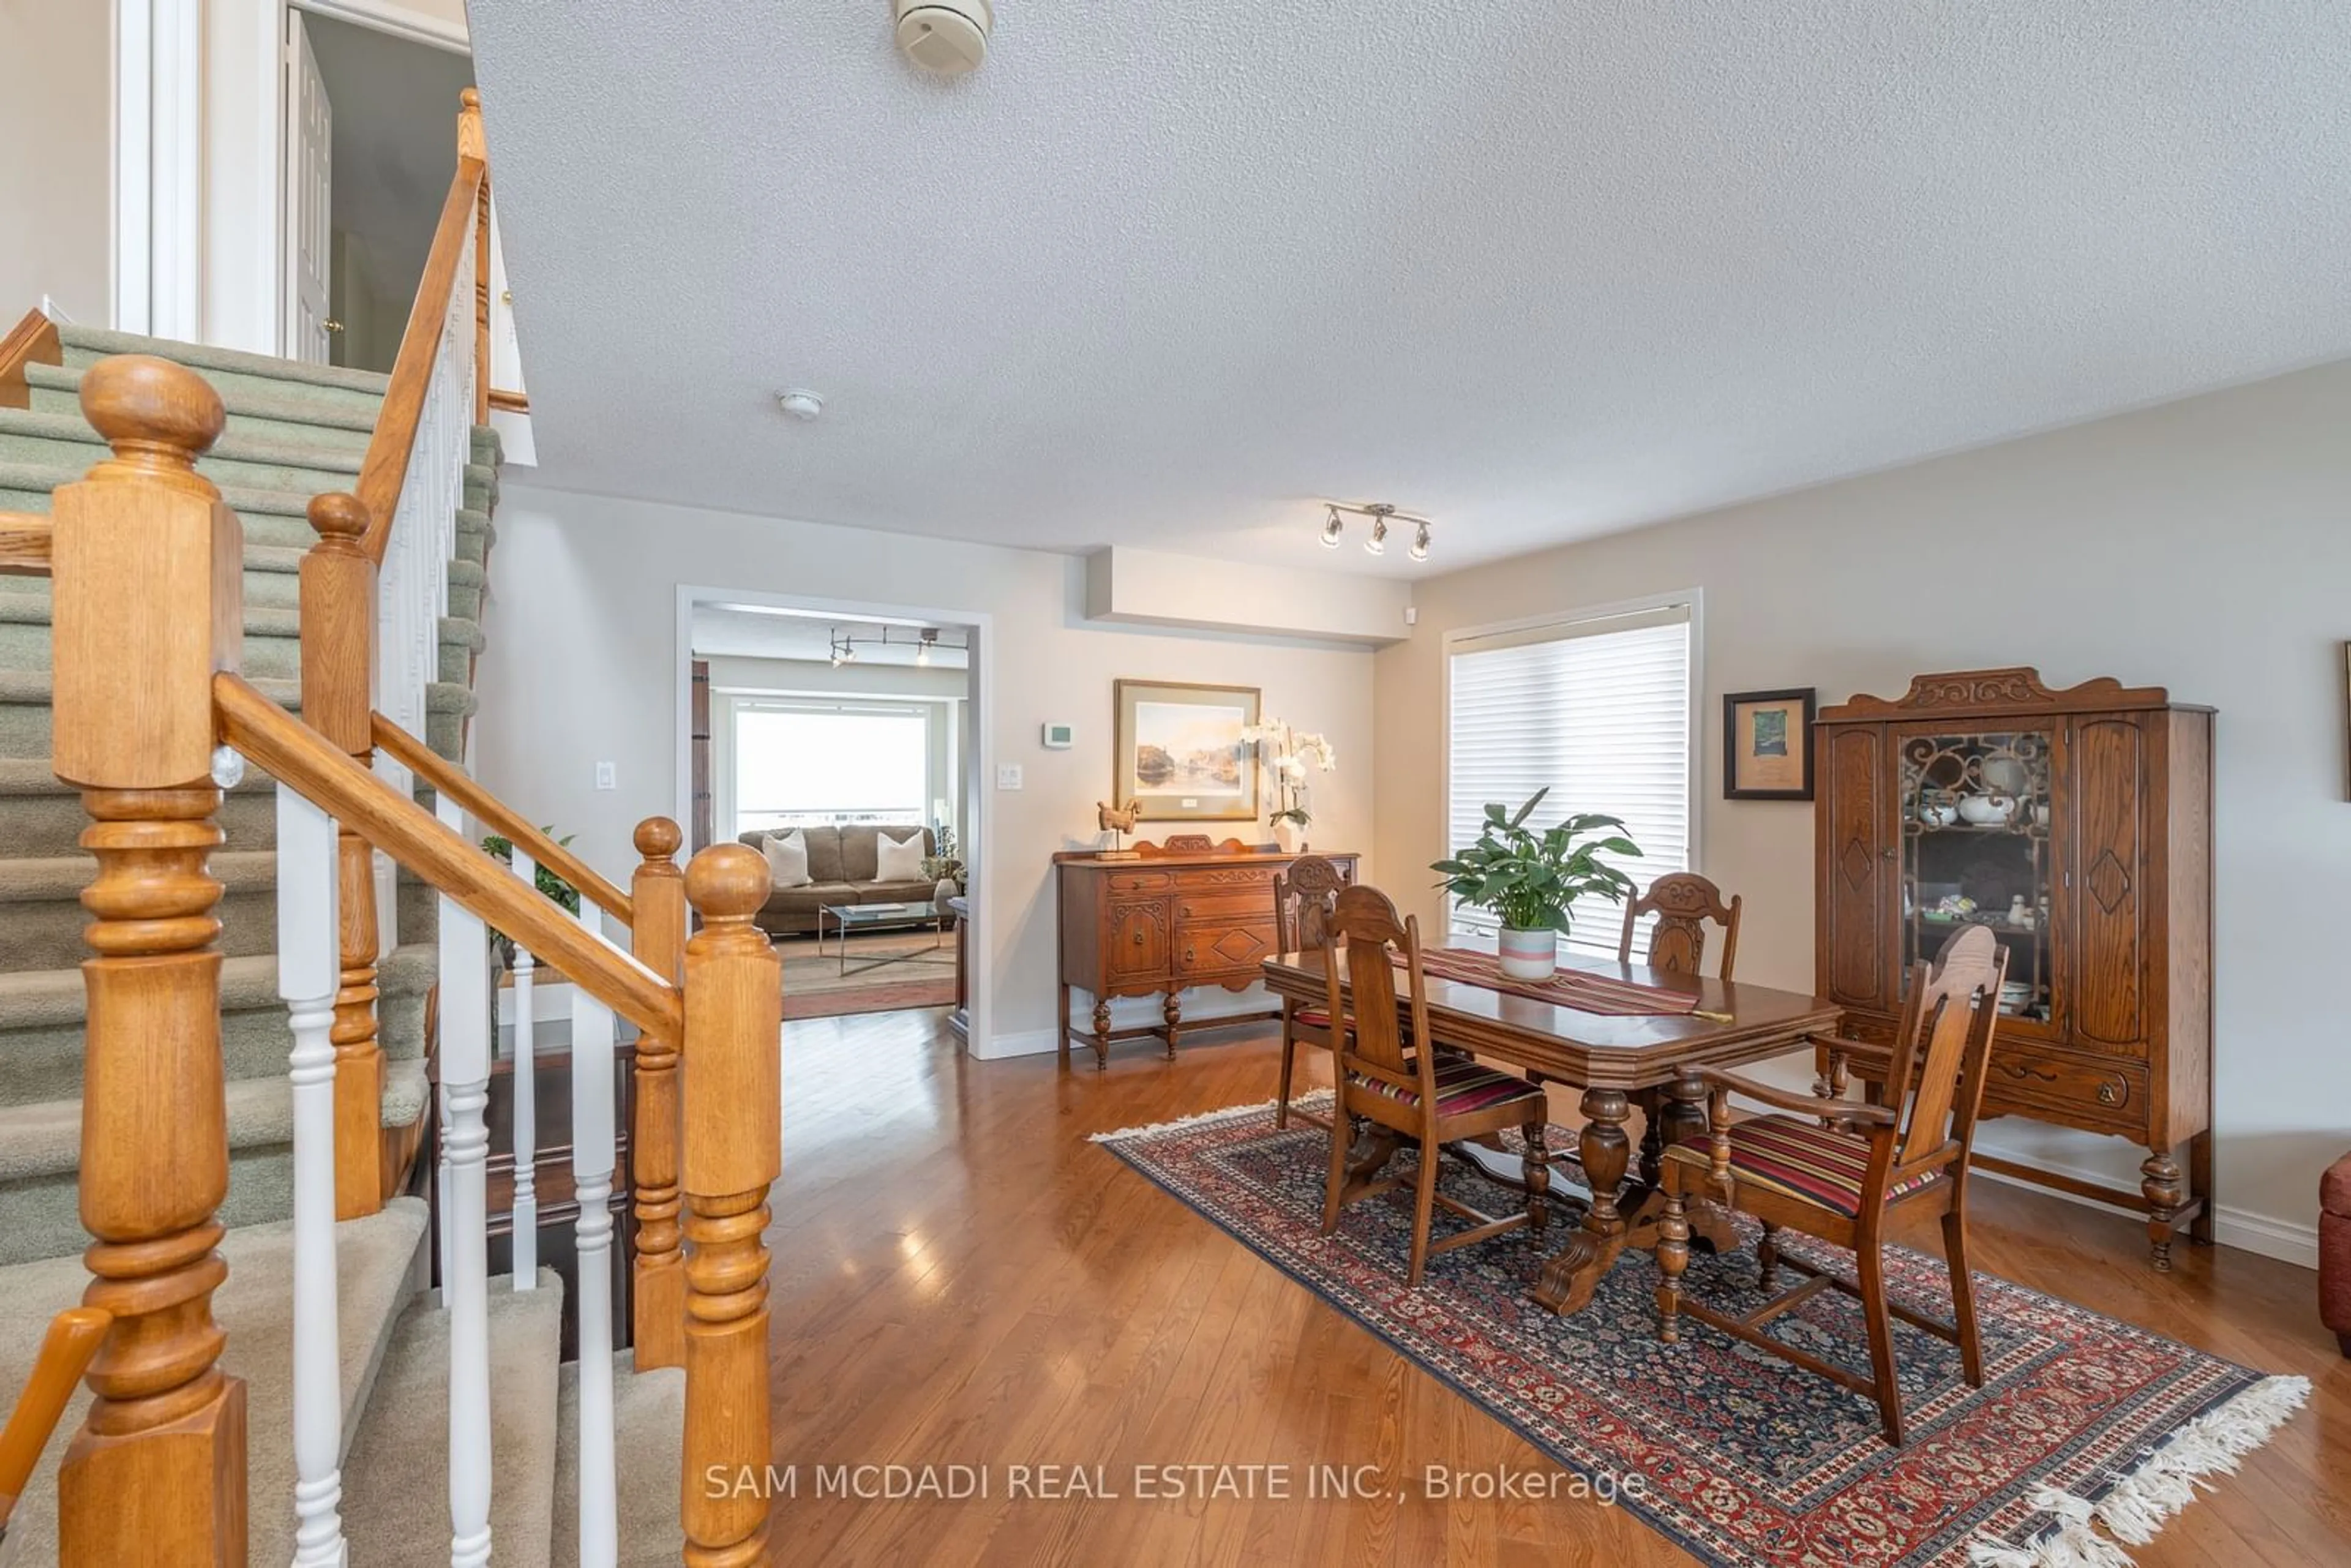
x: 1171, y: 1013
x: 1101, y: 1033
x: 1574, y: 1271
x: 2162, y: 1191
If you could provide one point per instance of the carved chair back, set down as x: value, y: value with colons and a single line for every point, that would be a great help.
x: 1363, y: 928
x: 1945, y: 1045
x: 1303, y: 896
x: 1683, y: 902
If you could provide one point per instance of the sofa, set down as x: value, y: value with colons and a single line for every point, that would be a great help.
x: 2335, y: 1250
x: 843, y: 862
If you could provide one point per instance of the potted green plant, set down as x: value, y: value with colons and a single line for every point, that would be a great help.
x: 498, y: 847
x: 1533, y: 878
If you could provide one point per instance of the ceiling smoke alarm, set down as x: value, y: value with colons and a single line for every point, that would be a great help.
x: 801, y: 404
x: 945, y: 37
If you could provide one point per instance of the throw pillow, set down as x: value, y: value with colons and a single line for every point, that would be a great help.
x: 898, y: 860
x: 786, y: 859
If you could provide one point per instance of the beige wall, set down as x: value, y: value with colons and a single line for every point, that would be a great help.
x: 57, y: 123
x: 581, y: 666
x: 2204, y: 546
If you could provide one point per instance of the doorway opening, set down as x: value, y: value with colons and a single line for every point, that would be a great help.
x: 840, y: 741
x: 371, y: 149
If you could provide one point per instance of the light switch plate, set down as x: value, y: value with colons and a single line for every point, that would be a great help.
x: 1008, y: 776
x: 607, y: 777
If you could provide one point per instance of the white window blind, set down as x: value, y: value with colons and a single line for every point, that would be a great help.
x: 1598, y: 712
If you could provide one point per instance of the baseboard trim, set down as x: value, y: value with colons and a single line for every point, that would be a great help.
x: 2282, y: 1240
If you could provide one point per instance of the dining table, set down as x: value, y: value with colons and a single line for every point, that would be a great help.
x: 1621, y: 1061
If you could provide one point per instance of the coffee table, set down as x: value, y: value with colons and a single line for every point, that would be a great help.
x: 848, y: 917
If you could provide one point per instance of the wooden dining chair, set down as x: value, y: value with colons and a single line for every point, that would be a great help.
x: 1847, y: 1187
x: 1303, y: 896
x: 1683, y: 902
x: 1430, y: 1097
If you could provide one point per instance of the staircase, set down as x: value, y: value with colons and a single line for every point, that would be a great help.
x: 294, y: 431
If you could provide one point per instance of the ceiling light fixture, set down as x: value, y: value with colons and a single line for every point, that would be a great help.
x: 1382, y: 514
x: 925, y: 641
x: 923, y: 649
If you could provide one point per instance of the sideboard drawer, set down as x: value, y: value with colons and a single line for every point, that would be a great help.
x: 1139, y: 880
x: 1214, y: 949
x: 1224, y: 908
x: 2080, y: 1090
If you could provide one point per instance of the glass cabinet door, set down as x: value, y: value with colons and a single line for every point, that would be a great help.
x: 1975, y: 810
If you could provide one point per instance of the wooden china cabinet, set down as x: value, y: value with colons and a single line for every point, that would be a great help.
x: 2077, y: 825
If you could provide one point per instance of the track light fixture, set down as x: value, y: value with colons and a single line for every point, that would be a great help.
x: 925, y: 641
x: 1382, y: 514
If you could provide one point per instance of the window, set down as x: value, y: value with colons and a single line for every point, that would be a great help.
x: 1598, y: 710
x: 804, y: 767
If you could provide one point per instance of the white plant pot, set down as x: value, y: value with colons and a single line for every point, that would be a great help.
x: 1528, y: 955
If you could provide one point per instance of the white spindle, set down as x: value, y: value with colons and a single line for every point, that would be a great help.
x: 526, y: 1102
x: 592, y: 1156
x: 466, y: 1072
x: 309, y: 970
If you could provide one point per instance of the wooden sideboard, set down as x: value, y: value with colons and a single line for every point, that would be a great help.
x: 1163, y: 921
x: 2077, y: 825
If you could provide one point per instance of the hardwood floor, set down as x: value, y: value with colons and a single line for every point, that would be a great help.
x: 961, y: 1279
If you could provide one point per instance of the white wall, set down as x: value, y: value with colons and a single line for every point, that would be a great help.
x: 580, y: 666
x: 57, y: 125
x: 2204, y: 546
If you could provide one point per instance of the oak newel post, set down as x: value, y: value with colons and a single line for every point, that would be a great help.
x: 339, y: 663
x: 732, y: 1151
x: 147, y: 568
x: 657, y: 899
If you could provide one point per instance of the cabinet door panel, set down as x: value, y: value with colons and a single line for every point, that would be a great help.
x: 2107, y: 859
x: 1855, y: 872
x: 1138, y: 939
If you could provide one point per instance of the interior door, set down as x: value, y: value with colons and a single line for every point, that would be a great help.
x: 310, y: 199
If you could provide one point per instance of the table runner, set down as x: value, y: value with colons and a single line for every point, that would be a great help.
x: 1566, y: 988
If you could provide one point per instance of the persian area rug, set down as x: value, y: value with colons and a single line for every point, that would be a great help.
x: 2087, y: 1434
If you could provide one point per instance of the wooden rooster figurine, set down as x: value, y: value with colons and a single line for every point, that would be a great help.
x: 1117, y: 820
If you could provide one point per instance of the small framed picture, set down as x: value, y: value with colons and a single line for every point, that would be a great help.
x: 1180, y: 752
x: 1767, y: 745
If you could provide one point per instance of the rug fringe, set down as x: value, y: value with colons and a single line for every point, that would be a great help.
x: 2142, y: 1502
x: 1205, y: 1117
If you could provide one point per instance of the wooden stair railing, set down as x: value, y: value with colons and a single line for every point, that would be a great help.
x: 147, y: 613
x: 448, y: 778
x: 33, y: 341
x: 654, y: 910
x: 66, y: 1349
x: 24, y: 544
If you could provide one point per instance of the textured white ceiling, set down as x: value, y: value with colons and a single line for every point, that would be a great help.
x: 1165, y: 271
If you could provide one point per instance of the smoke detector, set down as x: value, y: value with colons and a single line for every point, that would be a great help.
x: 945, y: 37
x: 801, y: 404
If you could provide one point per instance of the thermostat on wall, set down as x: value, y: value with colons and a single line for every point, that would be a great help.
x: 1059, y: 736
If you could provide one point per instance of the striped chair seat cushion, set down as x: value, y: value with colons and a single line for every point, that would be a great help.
x: 1313, y: 1017
x: 1802, y: 1159
x: 1462, y: 1086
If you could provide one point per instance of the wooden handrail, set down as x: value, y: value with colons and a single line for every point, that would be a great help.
x: 385, y: 467
x: 448, y: 779
x: 33, y: 341
x: 24, y: 544
x: 66, y: 1351
x: 509, y: 402
x: 292, y: 753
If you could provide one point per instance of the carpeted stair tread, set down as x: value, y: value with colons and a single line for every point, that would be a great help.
x: 83, y: 344
x: 649, y: 1415
x: 56, y: 389
x: 272, y: 578
x: 40, y: 816
x: 42, y: 1012
x: 273, y: 636
x: 26, y: 729
x: 44, y: 1139
x: 398, y: 1470
x: 64, y: 441
x: 375, y: 1259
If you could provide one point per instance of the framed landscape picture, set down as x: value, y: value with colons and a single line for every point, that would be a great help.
x: 1178, y: 750
x: 1767, y: 745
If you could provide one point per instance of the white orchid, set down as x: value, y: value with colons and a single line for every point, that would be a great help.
x: 1286, y: 755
